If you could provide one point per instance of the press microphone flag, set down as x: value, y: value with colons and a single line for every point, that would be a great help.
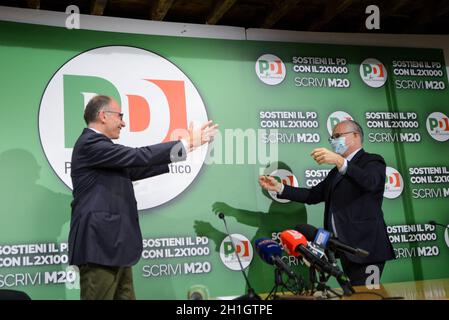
x: 322, y: 237
x: 291, y: 239
x: 310, y: 232
x: 270, y: 252
x: 296, y: 244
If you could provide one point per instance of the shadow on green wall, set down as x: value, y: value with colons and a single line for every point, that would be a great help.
x: 31, y: 214
x: 279, y: 217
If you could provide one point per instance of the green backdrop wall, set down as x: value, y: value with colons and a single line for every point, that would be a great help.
x: 400, y: 99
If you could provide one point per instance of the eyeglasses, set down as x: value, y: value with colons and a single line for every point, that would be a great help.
x: 119, y: 113
x: 338, y: 135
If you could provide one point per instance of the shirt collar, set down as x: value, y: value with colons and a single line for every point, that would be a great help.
x: 95, y: 130
x: 349, y: 158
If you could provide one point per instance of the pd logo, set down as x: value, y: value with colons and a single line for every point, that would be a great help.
x: 243, y: 249
x: 285, y: 177
x: 393, y: 183
x: 438, y: 126
x: 335, y: 118
x: 373, y: 73
x: 270, y: 69
x: 156, y: 97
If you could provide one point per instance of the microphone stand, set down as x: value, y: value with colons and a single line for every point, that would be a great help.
x: 312, y: 278
x: 277, y: 282
x: 251, y: 294
x: 297, y: 289
x: 320, y: 285
x: 348, y: 290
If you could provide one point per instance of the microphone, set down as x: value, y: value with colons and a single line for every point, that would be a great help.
x: 251, y: 295
x: 296, y: 244
x: 325, y: 238
x: 270, y: 252
x: 434, y: 223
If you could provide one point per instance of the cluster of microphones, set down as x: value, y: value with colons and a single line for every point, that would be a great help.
x: 317, y: 254
x: 316, y: 248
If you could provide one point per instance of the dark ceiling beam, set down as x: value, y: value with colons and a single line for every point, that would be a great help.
x: 34, y: 4
x: 220, y: 8
x: 395, y: 7
x: 160, y: 9
x: 444, y: 10
x: 332, y: 10
x: 280, y: 9
x: 97, y: 7
x: 423, y: 17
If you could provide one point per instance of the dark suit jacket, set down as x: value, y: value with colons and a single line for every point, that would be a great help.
x: 356, y: 202
x: 104, y: 226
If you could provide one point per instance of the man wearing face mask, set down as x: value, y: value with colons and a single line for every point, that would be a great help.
x: 353, y: 195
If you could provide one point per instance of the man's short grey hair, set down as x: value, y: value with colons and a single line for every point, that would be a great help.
x: 95, y: 105
x: 355, y: 127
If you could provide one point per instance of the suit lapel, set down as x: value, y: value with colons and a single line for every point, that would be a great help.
x: 327, y: 214
x: 338, y: 177
x: 332, y: 176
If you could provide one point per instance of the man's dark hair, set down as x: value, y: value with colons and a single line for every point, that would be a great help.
x: 95, y: 105
x: 355, y: 127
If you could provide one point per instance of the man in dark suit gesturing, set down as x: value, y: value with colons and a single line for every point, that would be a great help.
x: 105, y: 238
x: 353, y: 194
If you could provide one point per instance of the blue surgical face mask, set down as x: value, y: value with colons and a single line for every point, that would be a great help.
x: 339, y: 145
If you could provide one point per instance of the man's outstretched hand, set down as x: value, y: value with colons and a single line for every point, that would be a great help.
x: 199, y: 136
x: 270, y: 183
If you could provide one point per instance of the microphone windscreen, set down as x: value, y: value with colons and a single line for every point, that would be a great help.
x: 291, y: 239
x: 267, y: 248
x: 307, y: 230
